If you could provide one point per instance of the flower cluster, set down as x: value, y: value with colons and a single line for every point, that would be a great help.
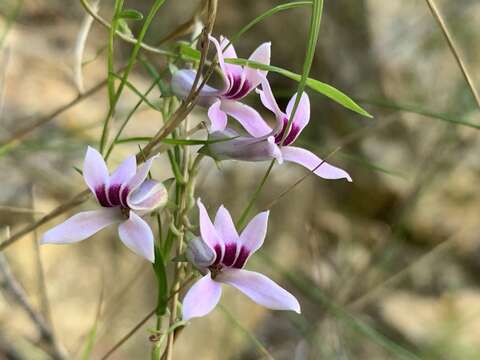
x: 219, y: 253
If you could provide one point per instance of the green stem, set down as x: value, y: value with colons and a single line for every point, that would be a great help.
x: 131, y: 61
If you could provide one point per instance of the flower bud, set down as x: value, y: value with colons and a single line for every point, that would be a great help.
x: 228, y: 145
x: 148, y: 197
x: 199, y: 253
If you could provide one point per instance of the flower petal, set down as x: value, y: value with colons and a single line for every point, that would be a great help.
x: 182, y: 82
x: 225, y: 226
x: 253, y: 236
x: 148, y: 196
x: 268, y: 100
x: 220, y: 59
x: 260, y: 55
x: 136, y: 234
x: 302, y: 115
x: 125, y: 171
x: 81, y: 226
x: 95, y: 170
x: 202, y: 298
x: 245, y: 148
x: 312, y: 161
x: 226, y: 230
x: 209, y: 233
x: 248, y: 117
x: 230, y: 53
x: 260, y: 289
x: 217, y: 117
x: 140, y: 175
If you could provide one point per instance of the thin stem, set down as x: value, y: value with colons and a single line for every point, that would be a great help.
x: 251, y: 202
x: 142, y: 322
x: 454, y: 49
x: 131, y: 61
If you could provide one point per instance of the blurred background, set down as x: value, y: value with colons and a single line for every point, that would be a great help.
x: 385, y: 267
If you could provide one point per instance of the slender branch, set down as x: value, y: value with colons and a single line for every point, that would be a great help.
x: 121, y: 35
x: 453, y: 48
x: 77, y: 200
x: 10, y: 285
x: 18, y: 135
x: 142, y: 322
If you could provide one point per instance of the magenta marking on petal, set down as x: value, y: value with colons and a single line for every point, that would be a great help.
x: 102, y: 196
x: 292, y: 134
x: 237, y: 89
x: 123, y: 196
x: 114, y: 194
x: 218, y: 251
x: 241, y: 258
x: 230, y: 253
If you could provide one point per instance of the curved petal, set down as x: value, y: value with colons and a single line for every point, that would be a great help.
x: 230, y: 53
x: 268, y: 100
x: 81, y: 226
x: 253, y: 236
x: 137, y: 236
x: 248, y: 117
x: 95, y: 170
x: 125, y: 171
x: 242, y: 148
x: 260, y: 55
x: 225, y: 226
x: 260, y: 289
x: 202, y: 298
x: 312, y: 161
x: 302, y: 115
x: 217, y: 117
x: 140, y: 175
x: 182, y: 82
x: 148, y: 196
x: 226, y: 230
x: 209, y: 233
x: 220, y: 59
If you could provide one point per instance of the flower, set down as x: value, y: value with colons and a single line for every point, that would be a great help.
x: 238, y: 82
x: 124, y: 196
x: 221, y: 255
x: 228, y: 145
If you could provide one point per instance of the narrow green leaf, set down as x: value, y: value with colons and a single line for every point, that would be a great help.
x: 137, y: 92
x: 173, y: 141
x: 131, y: 14
x: 414, y: 109
x: 325, y: 89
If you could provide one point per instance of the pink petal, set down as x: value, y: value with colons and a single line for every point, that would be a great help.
x: 253, y: 236
x: 248, y: 117
x: 125, y: 171
x: 148, y: 196
x: 140, y: 175
x: 260, y: 289
x: 137, y: 236
x: 302, y: 115
x: 95, y: 170
x: 182, y: 82
x: 225, y: 226
x: 312, y: 161
x: 208, y: 232
x: 226, y: 230
x: 268, y: 100
x: 245, y: 148
x: 202, y: 298
x: 260, y: 55
x: 221, y: 61
x: 217, y: 117
x: 81, y: 226
x: 230, y: 53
